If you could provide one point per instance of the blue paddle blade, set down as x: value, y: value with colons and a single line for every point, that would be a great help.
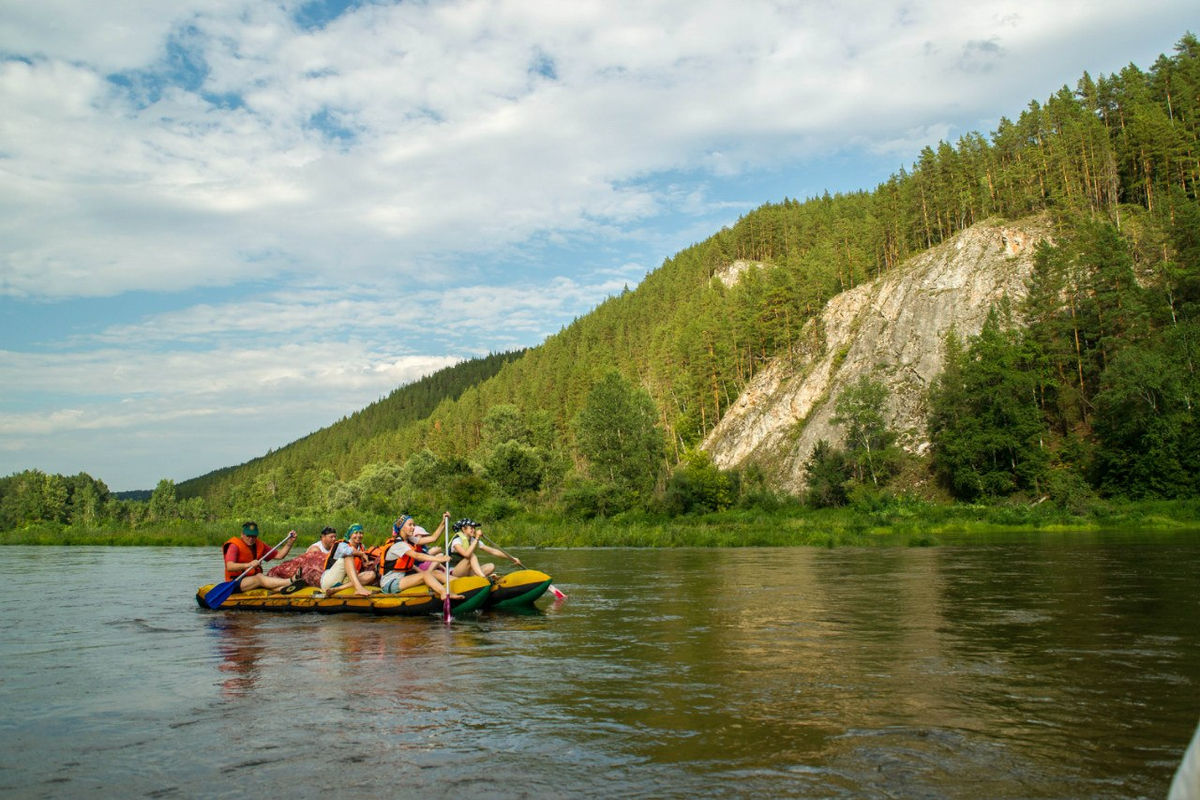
x: 219, y: 594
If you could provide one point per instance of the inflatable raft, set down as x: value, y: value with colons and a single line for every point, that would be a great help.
x: 514, y: 590
x: 517, y: 589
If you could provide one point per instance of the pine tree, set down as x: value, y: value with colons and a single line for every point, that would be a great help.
x: 617, y: 433
x: 985, y: 423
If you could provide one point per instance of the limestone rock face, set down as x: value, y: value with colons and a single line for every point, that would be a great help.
x: 893, y: 330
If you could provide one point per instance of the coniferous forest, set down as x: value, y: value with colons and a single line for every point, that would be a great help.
x: 1081, y: 397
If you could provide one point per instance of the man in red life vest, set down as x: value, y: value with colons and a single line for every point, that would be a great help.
x: 246, y: 552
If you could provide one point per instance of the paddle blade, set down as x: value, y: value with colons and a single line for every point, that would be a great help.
x: 219, y: 594
x: 559, y: 594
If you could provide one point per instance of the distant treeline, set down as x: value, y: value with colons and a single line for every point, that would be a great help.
x: 1086, y: 392
x: 340, y: 445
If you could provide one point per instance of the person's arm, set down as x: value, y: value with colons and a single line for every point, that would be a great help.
x: 234, y: 566
x: 283, y: 551
x: 498, y: 552
x: 493, y: 551
x: 370, y: 561
x: 269, y: 555
x: 469, y: 550
x: 242, y: 566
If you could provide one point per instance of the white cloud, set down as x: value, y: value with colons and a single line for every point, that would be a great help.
x: 402, y: 183
x: 454, y: 142
x: 324, y: 313
x: 115, y: 35
x: 232, y: 375
x: 256, y: 398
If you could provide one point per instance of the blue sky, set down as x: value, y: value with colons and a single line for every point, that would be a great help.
x: 226, y: 224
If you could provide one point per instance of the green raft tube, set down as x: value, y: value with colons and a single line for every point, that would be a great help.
x: 517, y: 589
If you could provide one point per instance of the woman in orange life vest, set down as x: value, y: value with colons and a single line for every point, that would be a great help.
x: 401, y: 561
x: 376, y: 554
x: 246, y: 552
x: 346, y: 561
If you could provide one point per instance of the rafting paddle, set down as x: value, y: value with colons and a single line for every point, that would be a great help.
x: 446, y: 596
x: 559, y: 594
x: 217, y: 595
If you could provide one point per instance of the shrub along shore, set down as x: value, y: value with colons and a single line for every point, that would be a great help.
x: 892, y: 524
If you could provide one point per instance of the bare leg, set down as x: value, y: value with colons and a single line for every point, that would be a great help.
x: 409, y: 581
x: 364, y: 578
x: 264, y: 581
x: 484, y: 571
x: 433, y: 583
x: 472, y: 566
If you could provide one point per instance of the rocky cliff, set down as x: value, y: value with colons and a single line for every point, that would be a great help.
x: 894, y: 330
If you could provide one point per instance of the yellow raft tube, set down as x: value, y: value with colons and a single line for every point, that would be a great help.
x: 414, y: 601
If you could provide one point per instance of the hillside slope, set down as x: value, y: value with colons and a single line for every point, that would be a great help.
x: 893, y: 330
x: 750, y: 365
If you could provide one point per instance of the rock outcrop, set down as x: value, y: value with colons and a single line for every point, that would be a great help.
x: 892, y: 329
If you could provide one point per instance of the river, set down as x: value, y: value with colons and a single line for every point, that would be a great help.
x: 1030, y: 666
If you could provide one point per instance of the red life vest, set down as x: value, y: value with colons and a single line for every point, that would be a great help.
x: 242, y: 554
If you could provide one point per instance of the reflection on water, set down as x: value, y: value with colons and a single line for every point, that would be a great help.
x: 1024, y: 667
x: 241, y: 649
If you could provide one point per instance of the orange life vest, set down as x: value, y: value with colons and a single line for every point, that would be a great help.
x: 375, y: 554
x: 242, y: 554
x: 402, y: 564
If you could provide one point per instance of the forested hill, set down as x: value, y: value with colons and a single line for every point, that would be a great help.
x: 1113, y: 163
x: 342, y: 448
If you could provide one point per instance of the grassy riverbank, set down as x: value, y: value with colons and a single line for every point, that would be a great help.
x: 896, y: 522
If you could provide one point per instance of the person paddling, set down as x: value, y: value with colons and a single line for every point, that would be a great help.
x: 246, y: 553
x: 346, y: 562
x: 463, y: 547
x: 379, y: 551
x: 402, y: 562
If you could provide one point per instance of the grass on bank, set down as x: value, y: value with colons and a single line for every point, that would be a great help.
x: 888, y: 522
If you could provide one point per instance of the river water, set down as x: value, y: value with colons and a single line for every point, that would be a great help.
x: 1034, y: 666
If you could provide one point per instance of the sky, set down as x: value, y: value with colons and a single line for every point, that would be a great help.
x: 227, y: 224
